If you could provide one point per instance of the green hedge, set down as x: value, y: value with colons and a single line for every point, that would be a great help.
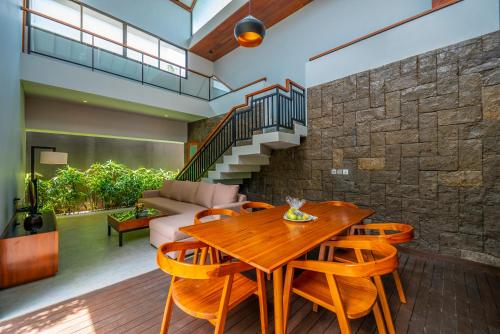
x: 102, y: 186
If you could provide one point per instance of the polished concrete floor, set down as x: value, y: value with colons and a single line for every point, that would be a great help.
x: 88, y: 260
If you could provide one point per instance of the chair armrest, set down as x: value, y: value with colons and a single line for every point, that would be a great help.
x: 236, y: 206
x: 150, y: 193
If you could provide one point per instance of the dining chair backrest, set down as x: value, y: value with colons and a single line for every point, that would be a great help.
x: 214, y: 212
x: 341, y: 203
x: 374, y: 258
x: 178, y: 268
x: 249, y: 207
x: 393, y: 233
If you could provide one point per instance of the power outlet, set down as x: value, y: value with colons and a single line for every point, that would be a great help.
x: 340, y: 171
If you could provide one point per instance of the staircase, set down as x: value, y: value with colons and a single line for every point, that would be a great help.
x: 271, y: 118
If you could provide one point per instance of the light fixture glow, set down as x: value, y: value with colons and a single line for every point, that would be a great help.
x: 250, y: 31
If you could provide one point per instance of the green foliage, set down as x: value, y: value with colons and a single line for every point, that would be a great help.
x: 129, y: 214
x: 102, y: 186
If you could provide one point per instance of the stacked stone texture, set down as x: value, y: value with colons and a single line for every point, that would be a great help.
x: 421, y: 139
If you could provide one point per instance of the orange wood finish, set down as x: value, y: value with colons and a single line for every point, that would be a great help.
x: 400, y: 233
x: 213, y: 212
x: 132, y: 224
x: 442, y: 5
x: 266, y: 241
x: 438, y: 3
x: 342, y: 203
x: 343, y: 288
x: 221, y: 41
x: 206, y: 291
x: 212, y: 133
x: 184, y: 6
x: 249, y: 206
x: 28, y: 258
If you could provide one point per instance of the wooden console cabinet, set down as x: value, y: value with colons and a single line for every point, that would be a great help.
x: 26, y: 257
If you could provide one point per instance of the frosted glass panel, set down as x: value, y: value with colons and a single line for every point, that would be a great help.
x: 104, y: 26
x: 144, y: 42
x: 63, y: 10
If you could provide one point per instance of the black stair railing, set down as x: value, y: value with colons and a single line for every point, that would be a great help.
x: 275, y: 107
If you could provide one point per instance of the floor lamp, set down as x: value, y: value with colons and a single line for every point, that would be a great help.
x: 48, y: 156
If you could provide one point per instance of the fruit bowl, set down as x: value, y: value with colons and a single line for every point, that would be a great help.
x: 303, y: 220
x: 294, y: 214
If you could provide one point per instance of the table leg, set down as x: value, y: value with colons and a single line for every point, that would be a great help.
x: 109, y: 230
x: 278, y: 300
x: 120, y: 239
x: 261, y: 283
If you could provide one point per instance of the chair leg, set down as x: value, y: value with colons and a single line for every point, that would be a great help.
x: 223, y: 307
x: 385, y: 305
x: 261, y: 283
x: 167, y: 314
x: 379, y: 319
x: 399, y: 286
x: 345, y: 327
x: 321, y: 257
x: 287, y: 290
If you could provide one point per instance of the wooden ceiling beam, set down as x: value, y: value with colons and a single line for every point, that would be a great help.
x: 221, y: 41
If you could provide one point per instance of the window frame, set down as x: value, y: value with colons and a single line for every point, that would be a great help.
x: 183, y: 69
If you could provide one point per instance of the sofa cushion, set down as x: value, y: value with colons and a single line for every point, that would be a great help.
x: 167, y: 188
x: 225, y: 194
x: 188, y: 191
x: 177, y: 189
x: 166, y: 229
x: 171, y: 206
x: 205, y: 194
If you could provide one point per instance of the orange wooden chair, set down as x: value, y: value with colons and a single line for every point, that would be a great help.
x: 334, y: 203
x: 390, y: 233
x: 343, y: 288
x: 393, y: 233
x: 250, y: 206
x: 217, y: 214
x: 207, y: 291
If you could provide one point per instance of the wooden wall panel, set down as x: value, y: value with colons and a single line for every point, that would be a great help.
x: 221, y: 41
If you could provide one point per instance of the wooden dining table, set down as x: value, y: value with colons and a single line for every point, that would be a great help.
x: 267, y: 242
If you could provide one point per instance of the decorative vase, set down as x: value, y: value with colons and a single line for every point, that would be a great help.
x: 33, y: 222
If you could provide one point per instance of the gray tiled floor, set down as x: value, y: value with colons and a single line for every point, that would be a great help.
x: 88, y: 260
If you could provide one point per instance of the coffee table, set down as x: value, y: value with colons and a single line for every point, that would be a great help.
x: 131, y: 224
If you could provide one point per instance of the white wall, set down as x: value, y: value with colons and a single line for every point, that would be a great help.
x: 319, y: 26
x: 224, y: 103
x: 58, y: 73
x: 66, y: 117
x: 11, y: 109
x: 450, y: 25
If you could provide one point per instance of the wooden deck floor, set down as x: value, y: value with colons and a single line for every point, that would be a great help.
x: 443, y: 297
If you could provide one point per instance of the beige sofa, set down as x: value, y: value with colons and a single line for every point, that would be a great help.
x: 181, y: 200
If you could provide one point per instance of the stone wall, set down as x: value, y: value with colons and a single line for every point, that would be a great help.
x: 421, y: 140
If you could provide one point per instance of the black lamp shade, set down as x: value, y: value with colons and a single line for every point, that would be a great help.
x: 249, y: 32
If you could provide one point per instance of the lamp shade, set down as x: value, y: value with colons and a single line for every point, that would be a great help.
x: 53, y: 158
x: 249, y: 32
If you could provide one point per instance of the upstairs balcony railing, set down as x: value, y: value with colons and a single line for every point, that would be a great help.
x: 85, y: 51
x: 272, y: 108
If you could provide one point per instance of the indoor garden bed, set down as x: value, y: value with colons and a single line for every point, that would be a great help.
x: 101, y: 187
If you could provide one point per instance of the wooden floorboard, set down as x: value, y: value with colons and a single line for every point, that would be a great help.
x: 443, y: 296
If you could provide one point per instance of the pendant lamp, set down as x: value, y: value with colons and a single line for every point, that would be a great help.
x: 250, y: 31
